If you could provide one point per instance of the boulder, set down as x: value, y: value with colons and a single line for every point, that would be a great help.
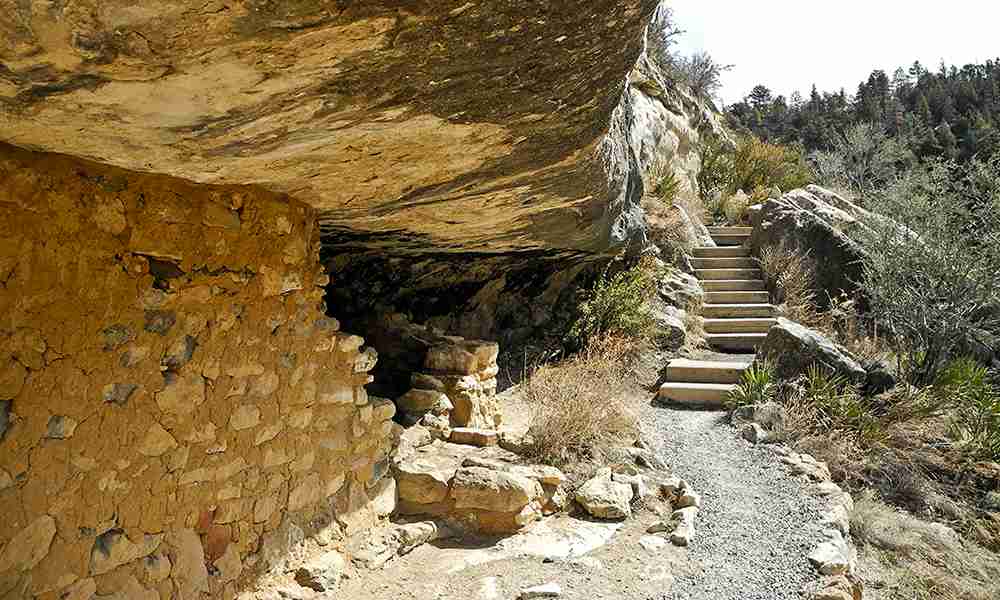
x: 670, y: 332
x: 817, y: 222
x: 680, y: 290
x: 496, y: 491
x: 792, y: 348
x: 604, y: 498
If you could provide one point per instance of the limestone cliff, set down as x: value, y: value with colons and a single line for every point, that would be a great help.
x: 475, y: 126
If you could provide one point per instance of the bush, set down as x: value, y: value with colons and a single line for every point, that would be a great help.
x: 930, y: 272
x: 864, y: 159
x: 580, y: 404
x: 735, y: 208
x: 667, y: 188
x: 757, y: 386
x: 756, y: 167
x: 701, y: 73
x: 618, y: 306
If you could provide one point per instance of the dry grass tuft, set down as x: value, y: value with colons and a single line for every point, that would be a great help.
x: 922, y: 560
x: 580, y: 406
x: 790, y: 275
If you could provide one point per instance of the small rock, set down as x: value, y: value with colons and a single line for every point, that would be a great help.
x: 683, y: 533
x: 639, y: 487
x: 754, y: 434
x: 652, y: 543
x: 662, y: 527
x: 549, y: 590
x: 474, y: 437
x: 60, y: 427
x: 179, y: 353
x: 118, y: 393
x: 672, y: 486
x: 416, y: 401
x: 322, y: 573
x: 412, y: 535
x: 159, y: 321
x: 688, y: 499
x: 604, y: 498
x: 832, y: 557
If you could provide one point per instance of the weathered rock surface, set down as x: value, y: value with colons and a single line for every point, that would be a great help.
x: 817, y: 222
x: 491, y: 125
x: 483, y: 489
x: 792, y: 348
x: 604, y: 498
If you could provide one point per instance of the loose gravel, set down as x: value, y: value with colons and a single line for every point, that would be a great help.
x: 757, y: 523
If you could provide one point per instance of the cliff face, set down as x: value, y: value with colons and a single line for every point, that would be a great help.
x: 492, y: 126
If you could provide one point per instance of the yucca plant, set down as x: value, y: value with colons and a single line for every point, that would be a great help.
x: 970, y: 388
x: 757, y: 386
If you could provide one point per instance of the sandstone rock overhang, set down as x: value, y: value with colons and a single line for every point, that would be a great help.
x: 488, y: 125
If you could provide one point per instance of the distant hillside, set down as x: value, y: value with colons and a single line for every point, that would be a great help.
x: 952, y: 112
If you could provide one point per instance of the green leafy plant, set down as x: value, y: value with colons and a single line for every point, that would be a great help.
x: 838, y: 404
x: 667, y: 188
x: 968, y: 386
x: 754, y: 166
x: 617, y: 305
x: 757, y: 386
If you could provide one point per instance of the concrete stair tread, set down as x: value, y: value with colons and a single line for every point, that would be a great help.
x: 733, y: 285
x: 721, y: 252
x: 724, y: 263
x: 739, y: 325
x: 697, y: 394
x: 730, y: 230
x: 735, y: 341
x: 717, y: 274
x: 737, y: 311
x: 705, y: 371
x: 737, y: 297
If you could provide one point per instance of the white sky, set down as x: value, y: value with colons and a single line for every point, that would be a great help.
x: 788, y: 45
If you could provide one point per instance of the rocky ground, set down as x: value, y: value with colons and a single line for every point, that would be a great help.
x: 757, y: 526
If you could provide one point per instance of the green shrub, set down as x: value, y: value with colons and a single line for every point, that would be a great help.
x: 836, y: 404
x: 930, y: 272
x: 757, y: 386
x: 617, y: 305
x: 969, y: 388
x: 758, y: 165
x: 755, y: 166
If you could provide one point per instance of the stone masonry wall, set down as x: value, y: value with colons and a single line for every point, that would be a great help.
x: 176, y: 412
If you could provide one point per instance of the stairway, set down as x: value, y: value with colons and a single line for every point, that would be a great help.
x: 737, y: 314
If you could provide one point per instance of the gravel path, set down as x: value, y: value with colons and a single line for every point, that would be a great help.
x: 757, y: 523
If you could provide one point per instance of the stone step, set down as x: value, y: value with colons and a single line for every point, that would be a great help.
x: 724, y: 263
x: 740, y: 297
x: 721, y: 252
x: 737, y: 311
x: 716, y: 274
x: 734, y: 285
x: 704, y: 371
x: 758, y: 325
x: 731, y: 240
x: 735, y: 342
x: 730, y: 230
x: 703, y: 395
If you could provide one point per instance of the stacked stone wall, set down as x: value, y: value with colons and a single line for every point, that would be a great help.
x: 177, y: 413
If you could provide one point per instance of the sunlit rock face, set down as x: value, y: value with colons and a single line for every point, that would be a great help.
x: 493, y: 125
